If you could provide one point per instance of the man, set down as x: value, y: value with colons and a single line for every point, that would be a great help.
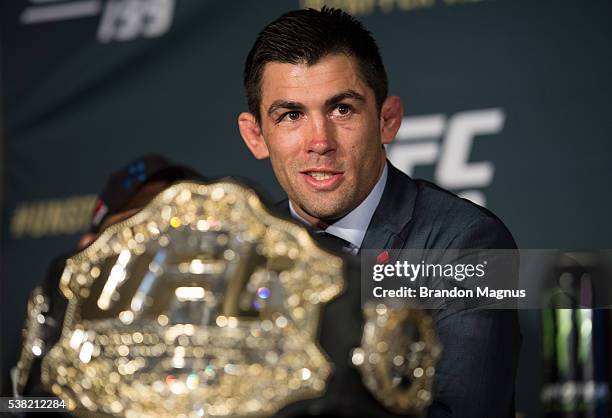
x: 126, y: 191
x: 319, y: 109
x: 130, y: 188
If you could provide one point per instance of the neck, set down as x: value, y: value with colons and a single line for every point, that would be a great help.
x: 312, y: 220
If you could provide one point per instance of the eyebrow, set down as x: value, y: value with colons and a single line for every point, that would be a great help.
x: 347, y: 94
x: 283, y: 104
x: 286, y: 104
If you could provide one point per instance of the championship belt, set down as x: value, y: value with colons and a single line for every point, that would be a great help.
x: 33, y: 336
x: 201, y: 304
x: 398, y: 356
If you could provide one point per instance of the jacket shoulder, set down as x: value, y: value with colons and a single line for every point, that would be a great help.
x: 454, y: 219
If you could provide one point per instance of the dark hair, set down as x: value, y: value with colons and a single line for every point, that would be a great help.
x: 306, y: 36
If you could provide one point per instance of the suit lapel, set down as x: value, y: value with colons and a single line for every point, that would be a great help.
x: 283, y: 207
x: 387, y: 228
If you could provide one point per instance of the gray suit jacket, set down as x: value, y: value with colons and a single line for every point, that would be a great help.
x: 475, y: 376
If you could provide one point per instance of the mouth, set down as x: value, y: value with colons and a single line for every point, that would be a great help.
x: 322, y: 179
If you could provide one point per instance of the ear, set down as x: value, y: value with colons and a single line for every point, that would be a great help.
x: 86, y: 239
x: 252, y: 136
x: 391, y: 115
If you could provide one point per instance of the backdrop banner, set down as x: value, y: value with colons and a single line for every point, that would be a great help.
x: 507, y: 104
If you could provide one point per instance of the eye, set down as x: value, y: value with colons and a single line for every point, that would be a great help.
x: 291, y: 116
x: 342, y: 110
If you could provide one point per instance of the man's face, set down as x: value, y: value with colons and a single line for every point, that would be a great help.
x: 321, y: 128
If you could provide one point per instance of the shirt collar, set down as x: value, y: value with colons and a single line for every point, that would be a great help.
x: 353, y: 226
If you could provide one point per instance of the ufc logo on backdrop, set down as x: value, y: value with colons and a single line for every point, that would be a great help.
x: 447, y: 142
x: 122, y: 20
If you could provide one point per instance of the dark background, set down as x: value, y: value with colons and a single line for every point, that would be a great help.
x: 80, y: 99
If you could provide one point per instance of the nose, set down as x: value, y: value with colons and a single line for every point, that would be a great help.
x: 321, y: 139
